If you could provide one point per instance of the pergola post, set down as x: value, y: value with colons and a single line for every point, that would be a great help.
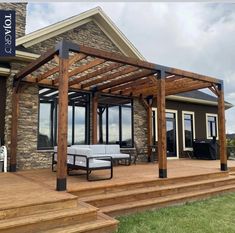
x: 62, y: 123
x: 221, y: 127
x: 14, y: 129
x: 94, y: 118
x: 161, y: 120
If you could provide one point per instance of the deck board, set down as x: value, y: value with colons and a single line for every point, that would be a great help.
x: 38, y: 186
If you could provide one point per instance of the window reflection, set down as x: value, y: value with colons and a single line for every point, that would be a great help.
x: 126, y: 127
x: 188, y: 130
x: 45, y: 127
x: 48, y: 118
x: 113, y: 122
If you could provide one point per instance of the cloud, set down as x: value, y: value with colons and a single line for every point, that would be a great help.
x: 194, y: 36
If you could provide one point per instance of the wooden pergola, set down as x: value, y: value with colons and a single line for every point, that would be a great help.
x: 69, y: 66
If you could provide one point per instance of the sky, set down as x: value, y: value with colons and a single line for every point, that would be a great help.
x: 198, y: 37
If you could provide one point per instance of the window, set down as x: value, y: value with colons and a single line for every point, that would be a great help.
x: 188, y: 129
x: 48, y: 118
x: 115, y: 121
x: 212, y: 126
x: 45, y: 136
x: 113, y: 125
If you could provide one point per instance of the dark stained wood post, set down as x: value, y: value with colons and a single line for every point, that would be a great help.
x: 221, y: 127
x: 149, y: 130
x: 62, y: 124
x: 14, y: 129
x: 161, y: 120
x: 94, y: 118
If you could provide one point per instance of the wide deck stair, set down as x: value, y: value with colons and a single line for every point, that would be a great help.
x: 125, y: 198
x: 64, y: 216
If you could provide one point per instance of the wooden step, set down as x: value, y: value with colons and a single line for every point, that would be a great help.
x: 232, y: 169
x: 152, y: 192
x: 103, y: 224
x: 23, y: 210
x: 49, y: 220
x: 159, y: 202
x: 124, y: 185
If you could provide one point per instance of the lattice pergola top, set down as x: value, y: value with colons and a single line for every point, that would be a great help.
x: 92, y: 69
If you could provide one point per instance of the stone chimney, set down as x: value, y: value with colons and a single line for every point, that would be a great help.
x: 20, y: 9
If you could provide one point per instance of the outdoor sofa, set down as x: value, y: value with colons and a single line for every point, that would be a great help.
x: 82, y: 159
x: 93, y: 157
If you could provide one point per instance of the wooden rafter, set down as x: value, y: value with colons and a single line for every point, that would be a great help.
x: 85, y: 67
x: 76, y: 58
x: 129, y: 85
x: 109, y: 77
x: 98, y: 72
x: 139, y: 88
x: 129, y: 78
x: 190, y: 88
x: 48, y: 73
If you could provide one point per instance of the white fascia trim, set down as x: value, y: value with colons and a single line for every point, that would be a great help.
x: 26, y: 55
x: 47, y: 35
x: 5, y: 71
x: 194, y: 134
x: 116, y: 36
x: 96, y: 15
x: 197, y: 101
x: 28, y: 39
x: 217, y: 129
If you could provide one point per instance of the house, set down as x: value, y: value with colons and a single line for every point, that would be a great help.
x: 189, y: 115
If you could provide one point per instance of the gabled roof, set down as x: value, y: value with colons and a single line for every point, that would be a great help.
x: 198, y: 97
x: 96, y: 15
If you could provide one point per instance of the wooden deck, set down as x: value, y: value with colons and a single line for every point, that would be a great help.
x: 28, y: 199
x: 41, y: 183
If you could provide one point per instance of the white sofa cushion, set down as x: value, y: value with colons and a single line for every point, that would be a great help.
x: 82, y: 151
x: 112, y: 149
x: 98, y: 149
x: 96, y: 163
x: 120, y: 156
x: 69, y: 158
x: 81, y: 146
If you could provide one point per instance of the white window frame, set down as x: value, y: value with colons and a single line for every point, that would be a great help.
x: 177, y: 132
x: 217, y: 130
x: 194, y: 134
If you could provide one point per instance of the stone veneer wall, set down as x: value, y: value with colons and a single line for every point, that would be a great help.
x: 20, y: 9
x: 28, y: 156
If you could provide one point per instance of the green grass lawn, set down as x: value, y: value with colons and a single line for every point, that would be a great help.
x: 215, y: 215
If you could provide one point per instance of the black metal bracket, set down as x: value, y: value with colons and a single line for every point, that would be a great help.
x: 65, y: 46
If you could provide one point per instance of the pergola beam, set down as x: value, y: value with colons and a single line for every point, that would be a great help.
x: 43, y: 59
